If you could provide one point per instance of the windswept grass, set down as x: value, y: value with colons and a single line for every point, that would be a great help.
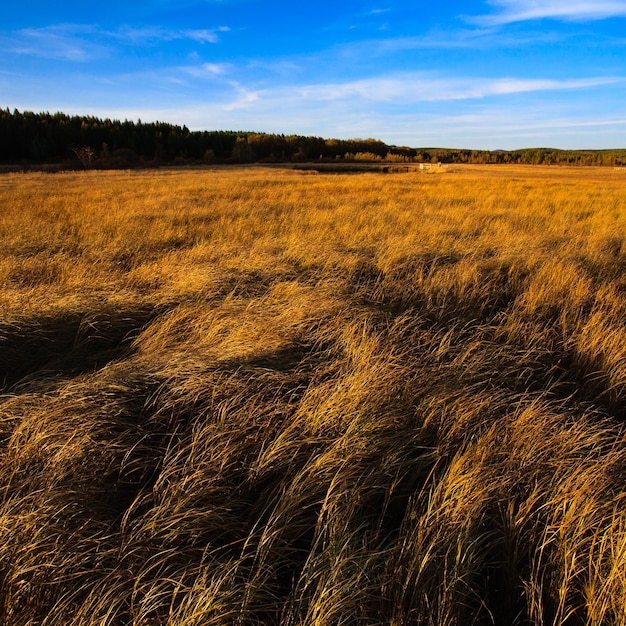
x: 253, y: 396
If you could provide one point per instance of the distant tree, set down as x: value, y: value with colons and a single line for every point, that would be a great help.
x: 85, y: 155
x: 242, y: 152
x: 367, y: 156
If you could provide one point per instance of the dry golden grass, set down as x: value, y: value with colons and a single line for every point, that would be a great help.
x: 254, y: 396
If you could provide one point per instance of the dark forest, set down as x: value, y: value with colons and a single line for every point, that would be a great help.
x: 61, y: 141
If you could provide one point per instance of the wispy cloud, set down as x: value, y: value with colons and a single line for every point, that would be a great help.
x: 387, y: 108
x: 463, y: 38
x: 244, y: 99
x: 497, y: 128
x: 279, y: 67
x: 508, y: 11
x: 157, y: 34
x: 66, y: 42
x: 207, y: 70
x: 85, y: 42
x: 230, y: 91
x: 423, y: 88
x: 214, y: 68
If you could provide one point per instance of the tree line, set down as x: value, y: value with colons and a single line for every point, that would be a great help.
x: 28, y: 138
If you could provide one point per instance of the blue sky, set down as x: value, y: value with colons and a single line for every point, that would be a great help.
x: 495, y: 74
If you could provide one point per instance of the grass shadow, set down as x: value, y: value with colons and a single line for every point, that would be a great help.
x: 68, y: 344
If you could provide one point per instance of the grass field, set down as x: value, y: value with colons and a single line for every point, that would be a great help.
x: 256, y: 396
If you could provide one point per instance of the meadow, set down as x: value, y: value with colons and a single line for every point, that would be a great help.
x: 267, y: 396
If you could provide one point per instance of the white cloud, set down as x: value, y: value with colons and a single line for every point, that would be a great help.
x: 423, y: 88
x: 207, y: 70
x: 201, y: 36
x: 84, y: 42
x: 470, y: 38
x: 66, y: 42
x: 156, y: 34
x: 495, y: 128
x: 401, y: 112
x: 509, y: 11
x: 346, y: 108
x: 214, y: 68
x: 244, y: 99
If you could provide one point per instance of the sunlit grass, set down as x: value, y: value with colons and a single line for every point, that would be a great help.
x: 261, y: 396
